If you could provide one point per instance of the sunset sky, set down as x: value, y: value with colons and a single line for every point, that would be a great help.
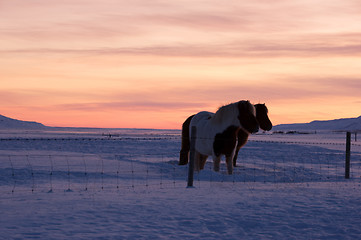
x: 151, y: 64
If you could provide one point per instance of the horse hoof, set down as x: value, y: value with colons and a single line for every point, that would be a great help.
x: 183, y: 158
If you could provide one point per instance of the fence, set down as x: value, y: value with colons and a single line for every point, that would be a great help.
x: 192, y: 160
x: 137, y: 167
x: 88, y: 172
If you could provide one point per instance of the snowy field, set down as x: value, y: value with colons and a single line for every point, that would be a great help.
x: 126, y: 184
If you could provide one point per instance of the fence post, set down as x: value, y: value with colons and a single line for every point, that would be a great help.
x: 191, y: 156
x: 348, y: 153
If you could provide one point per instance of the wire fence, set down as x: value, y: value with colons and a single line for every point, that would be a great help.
x: 86, y: 172
x: 258, y: 162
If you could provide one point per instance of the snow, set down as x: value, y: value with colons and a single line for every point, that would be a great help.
x: 126, y: 184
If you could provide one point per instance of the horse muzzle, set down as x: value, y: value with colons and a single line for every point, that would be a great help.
x: 251, y: 130
x: 255, y: 130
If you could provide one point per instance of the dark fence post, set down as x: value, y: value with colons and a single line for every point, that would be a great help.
x: 348, y: 153
x: 191, y: 156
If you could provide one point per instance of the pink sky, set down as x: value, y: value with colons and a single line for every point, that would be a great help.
x: 151, y: 64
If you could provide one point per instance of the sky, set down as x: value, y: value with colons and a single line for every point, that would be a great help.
x: 151, y: 64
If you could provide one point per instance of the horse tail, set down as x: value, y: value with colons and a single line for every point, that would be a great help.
x: 183, y: 156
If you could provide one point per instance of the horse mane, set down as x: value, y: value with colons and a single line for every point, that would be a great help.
x: 224, y: 112
x: 261, y: 107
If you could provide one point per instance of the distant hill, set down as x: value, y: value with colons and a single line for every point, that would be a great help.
x: 343, y: 124
x: 9, y: 123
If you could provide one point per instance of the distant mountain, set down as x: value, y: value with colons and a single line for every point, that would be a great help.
x: 343, y: 124
x: 9, y: 123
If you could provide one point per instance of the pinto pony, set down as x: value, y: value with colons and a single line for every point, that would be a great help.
x: 264, y: 123
x: 217, y: 134
x: 242, y: 136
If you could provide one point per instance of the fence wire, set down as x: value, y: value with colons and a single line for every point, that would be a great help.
x: 258, y: 162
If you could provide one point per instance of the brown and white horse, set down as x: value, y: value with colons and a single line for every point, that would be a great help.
x: 217, y: 133
x: 241, y: 137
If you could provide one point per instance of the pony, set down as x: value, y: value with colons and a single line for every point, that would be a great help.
x: 217, y: 134
x: 264, y: 123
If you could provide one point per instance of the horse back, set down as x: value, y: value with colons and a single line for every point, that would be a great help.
x: 201, y: 117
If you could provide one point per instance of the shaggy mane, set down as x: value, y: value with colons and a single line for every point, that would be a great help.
x: 225, y: 112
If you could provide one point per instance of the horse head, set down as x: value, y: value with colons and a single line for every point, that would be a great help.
x: 247, y: 116
x: 262, y: 117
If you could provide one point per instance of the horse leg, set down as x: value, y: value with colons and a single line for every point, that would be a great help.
x: 197, y: 159
x: 229, y: 164
x: 216, y: 162
x: 202, y: 161
x: 230, y: 159
x: 183, y: 156
x: 235, y: 157
x: 242, y: 138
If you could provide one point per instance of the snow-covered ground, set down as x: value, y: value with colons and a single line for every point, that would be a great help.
x: 126, y: 184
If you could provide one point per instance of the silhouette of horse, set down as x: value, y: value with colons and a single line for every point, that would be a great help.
x: 264, y: 123
x: 242, y: 136
x: 217, y: 134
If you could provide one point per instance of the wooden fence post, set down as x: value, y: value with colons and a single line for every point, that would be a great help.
x: 191, y: 156
x: 348, y: 153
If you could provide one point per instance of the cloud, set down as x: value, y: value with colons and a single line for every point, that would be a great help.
x: 327, y: 86
x: 183, y: 29
x: 200, y: 21
x: 150, y: 106
x: 190, y: 98
x: 316, y: 45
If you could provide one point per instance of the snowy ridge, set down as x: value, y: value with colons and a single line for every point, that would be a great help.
x: 343, y: 124
x: 9, y: 123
